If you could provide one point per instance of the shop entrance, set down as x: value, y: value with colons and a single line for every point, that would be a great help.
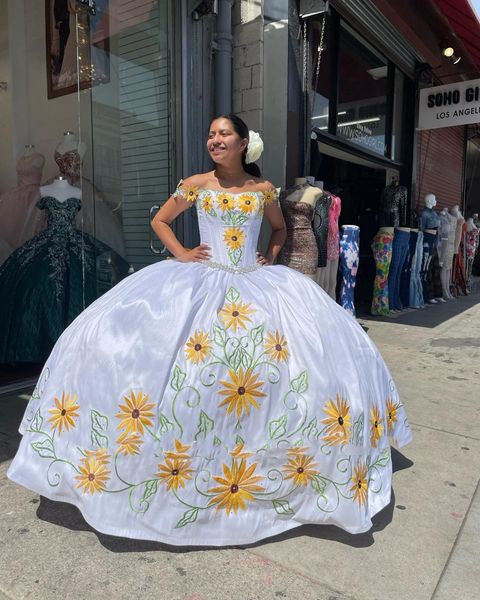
x: 360, y: 188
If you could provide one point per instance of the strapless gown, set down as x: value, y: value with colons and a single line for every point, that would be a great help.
x: 214, y: 403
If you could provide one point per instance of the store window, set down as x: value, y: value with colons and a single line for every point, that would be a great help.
x: 321, y: 60
x: 362, y: 93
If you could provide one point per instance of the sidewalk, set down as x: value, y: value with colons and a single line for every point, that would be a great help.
x: 424, y: 545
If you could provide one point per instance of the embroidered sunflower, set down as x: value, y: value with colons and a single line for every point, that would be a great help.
x: 360, y: 484
x: 241, y: 392
x: 300, y: 469
x: 392, y: 414
x: 181, y: 451
x: 65, y: 412
x: 225, y: 201
x: 234, y: 237
x: 276, y: 346
x: 376, y: 426
x: 129, y: 443
x: 100, y: 454
x: 269, y: 196
x: 338, y: 422
x: 207, y: 203
x: 198, y: 347
x: 93, y: 475
x: 247, y: 203
x: 174, y: 472
x: 236, y: 487
x: 190, y: 192
x: 236, y: 314
x: 136, y: 413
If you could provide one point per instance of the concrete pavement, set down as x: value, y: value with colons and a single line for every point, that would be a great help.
x: 423, y: 546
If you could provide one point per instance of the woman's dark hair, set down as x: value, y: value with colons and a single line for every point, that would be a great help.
x: 241, y: 128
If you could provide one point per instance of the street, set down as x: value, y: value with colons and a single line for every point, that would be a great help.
x: 424, y: 545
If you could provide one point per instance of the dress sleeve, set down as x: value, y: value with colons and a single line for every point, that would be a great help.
x: 189, y: 193
x: 42, y: 203
x: 271, y: 195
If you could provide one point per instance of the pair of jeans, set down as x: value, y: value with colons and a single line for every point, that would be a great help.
x: 349, y: 244
x: 407, y: 270
x: 416, y: 290
x: 400, y: 248
x: 382, y: 253
x: 429, y: 240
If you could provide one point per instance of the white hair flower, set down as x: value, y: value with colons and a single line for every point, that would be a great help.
x: 255, y: 147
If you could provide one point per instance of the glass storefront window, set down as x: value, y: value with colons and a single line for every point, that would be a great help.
x: 362, y: 93
x: 397, y: 138
x: 321, y: 87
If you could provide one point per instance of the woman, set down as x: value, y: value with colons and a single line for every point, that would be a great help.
x: 219, y: 401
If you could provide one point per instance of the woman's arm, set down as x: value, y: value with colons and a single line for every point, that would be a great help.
x: 279, y: 233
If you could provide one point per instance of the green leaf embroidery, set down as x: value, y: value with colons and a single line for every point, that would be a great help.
x: 37, y: 422
x: 357, y: 433
x: 282, y: 507
x: 150, y: 489
x: 245, y: 360
x: 189, y: 517
x: 217, y: 441
x: 205, y: 425
x: 164, y: 424
x: 256, y: 334
x: 239, y: 440
x: 235, y: 358
x: 319, y: 484
x: 232, y: 295
x: 235, y: 255
x: 178, y: 378
x: 383, y: 459
x: 44, y: 448
x: 99, y: 421
x: 277, y: 427
x: 310, y: 430
x: 99, y: 440
x: 300, y: 383
x: 220, y: 336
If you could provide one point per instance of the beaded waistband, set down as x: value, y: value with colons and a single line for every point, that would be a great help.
x: 230, y: 268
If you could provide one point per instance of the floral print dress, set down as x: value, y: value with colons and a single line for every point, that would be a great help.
x: 214, y: 403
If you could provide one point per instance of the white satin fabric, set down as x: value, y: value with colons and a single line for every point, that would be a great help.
x: 195, y: 405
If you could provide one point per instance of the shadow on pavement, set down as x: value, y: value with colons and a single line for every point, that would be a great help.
x: 12, y: 407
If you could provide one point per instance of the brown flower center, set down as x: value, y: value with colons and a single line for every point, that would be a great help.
x: 300, y: 470
x: 198, y: 347
x: 234, y: 238
x: 375, y: 424
x: 135, y: 413
x: 390, y: 416
x: 91, y: 477
x: 359, y: 484
x: 235, y: 313
x: 234, y: 488
x: 175, y: 472
x: 225, y: 201
x: 278, y: 347
x: 247, y: 202
x: 63, y: 413
x: 241, y: 391
x: 340, y: 420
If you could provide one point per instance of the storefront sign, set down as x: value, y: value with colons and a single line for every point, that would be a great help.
x: 449, y: 105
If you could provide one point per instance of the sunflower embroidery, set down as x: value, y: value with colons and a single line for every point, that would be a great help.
x: 225, y: 201
x: 300, y: 468
x: 65, y: 412
x: 129, y: 443
x: 269, y: 196
x: 100, y: 455
x: 198, y: 347
x: 174, y: 472
x: 136, y: 413
x: 93, y: 475
x: 236, y: 487
x: 190, y: 192
x: 392, y: 414
x: 234, y: 238
x: 241, y: 392
x: 338, y: 422
x: 376, y: 426
x: 360, y: 484
x: 236, y: 314
x: 207, y: 203
x: 247, y: 203
x: 276, y: 346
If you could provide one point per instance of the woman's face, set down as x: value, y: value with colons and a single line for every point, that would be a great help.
x: 224, y: 144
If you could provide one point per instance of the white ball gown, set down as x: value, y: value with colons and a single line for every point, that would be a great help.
x: 214, y: 403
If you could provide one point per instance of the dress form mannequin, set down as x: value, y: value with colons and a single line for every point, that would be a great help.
x: 300, y: 249
x: 69, y: 142
x: 29, y: 150
x: 60, y: 189
x: 382, y: 253
x: 455, y: 211
x: 393, y: 205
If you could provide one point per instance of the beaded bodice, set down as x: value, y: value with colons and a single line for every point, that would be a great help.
x: 69, y: 164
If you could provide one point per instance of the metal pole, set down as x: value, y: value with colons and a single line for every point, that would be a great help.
x: 223, y: 58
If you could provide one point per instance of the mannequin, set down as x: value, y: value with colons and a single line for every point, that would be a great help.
x: 349, y: 255
x: 416, y: 299
x: 428, y: 217
x: 382, y: 253
x: 329, y: 274
x: 445, y: 250
x: 455, y: 212
x: 400, y: 247
x: 471, y: 245
x: 393, y: 205
x: 458, y: 269
x: 60, y: 189
x: 320, y: 229
x: 29, y: 150
x: 406, y: 273
x: 70, y: 143
x: 300, y: 249
x: 429, y: 222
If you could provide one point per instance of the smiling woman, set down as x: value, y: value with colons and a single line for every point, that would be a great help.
x: 216, y: 399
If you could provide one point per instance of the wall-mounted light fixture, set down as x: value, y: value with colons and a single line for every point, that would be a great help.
x: 448, y: 51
